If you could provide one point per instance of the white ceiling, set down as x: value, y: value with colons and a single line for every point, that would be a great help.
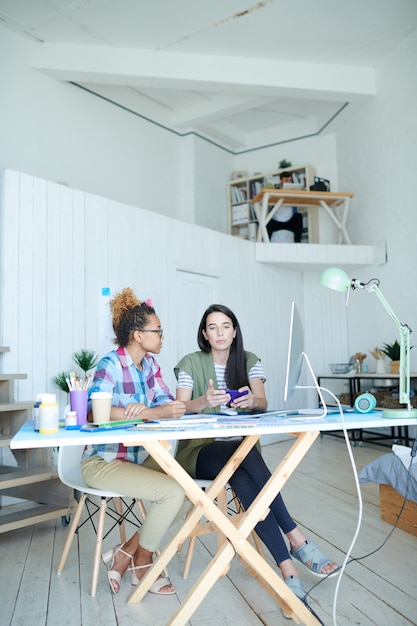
x: 241, y: 73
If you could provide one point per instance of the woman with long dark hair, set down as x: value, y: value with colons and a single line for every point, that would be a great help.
x: 202, y: 380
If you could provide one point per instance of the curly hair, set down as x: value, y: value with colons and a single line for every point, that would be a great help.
x: 129, y: 314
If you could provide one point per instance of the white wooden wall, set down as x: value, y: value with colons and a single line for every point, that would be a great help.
x: 60, y: 247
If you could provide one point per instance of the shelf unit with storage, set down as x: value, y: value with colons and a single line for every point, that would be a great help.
x: 241, y: 191
x: 382, y: 385
x: 30, y: 490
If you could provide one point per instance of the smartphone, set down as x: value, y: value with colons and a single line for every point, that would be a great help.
x: 234, y: 393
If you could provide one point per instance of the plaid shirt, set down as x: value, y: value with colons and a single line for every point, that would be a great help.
x: 118, y: 374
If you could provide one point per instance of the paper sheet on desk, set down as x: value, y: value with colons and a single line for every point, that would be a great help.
x: 204, y: 420
x: 302, y: 419
x: 197, y: 421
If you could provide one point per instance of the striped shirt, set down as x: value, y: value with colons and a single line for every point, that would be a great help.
x: 117, y: 373
x: 256, y: 372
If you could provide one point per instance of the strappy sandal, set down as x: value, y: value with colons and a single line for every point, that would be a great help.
x: 156, y: 586
x: 307, y: 553
x: 297, y: 588
x: 110, y: 555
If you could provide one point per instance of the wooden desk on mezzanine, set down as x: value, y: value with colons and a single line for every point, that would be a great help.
x: 154, y: 440
x: 335, y: 204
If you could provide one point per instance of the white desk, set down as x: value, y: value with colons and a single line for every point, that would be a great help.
x: 237, y: 544
x: 335, y: 204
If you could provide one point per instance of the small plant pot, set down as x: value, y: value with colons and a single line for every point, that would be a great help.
x: 394, y: 367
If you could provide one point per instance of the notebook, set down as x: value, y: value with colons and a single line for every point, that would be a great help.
x: 91, y: 427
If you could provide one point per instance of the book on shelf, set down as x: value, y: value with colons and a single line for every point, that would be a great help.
x: 252, y: 231
x: 255, y: 188
x: 252, y: 214
x: 272, y: 180
x: 238, y: 194
x: 300, y: 177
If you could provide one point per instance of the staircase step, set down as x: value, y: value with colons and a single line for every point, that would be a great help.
x: 17, y: 478
x: 12, y: 516
x: 16, y: 406
x: 13, y: 377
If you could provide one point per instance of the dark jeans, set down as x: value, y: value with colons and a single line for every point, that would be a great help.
x: 295, y: 225
x: 246, y: 482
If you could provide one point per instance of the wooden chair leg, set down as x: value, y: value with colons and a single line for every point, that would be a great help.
x: 71, y: 533
x: 189, y: 556
x: 141, y: 507
x: 222, y: 504
x: 202, y: 529
x: 122, y: 529
x: 99, y: 546
x: 99, y: 535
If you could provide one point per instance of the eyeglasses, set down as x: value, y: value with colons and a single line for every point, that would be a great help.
x: 158, y: 330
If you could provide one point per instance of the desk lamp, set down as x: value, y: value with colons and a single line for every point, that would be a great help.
x: 337, y: 279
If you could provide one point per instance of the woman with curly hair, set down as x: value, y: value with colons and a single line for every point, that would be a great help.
x: 134, y: 378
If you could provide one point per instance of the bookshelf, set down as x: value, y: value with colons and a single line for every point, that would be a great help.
x: 241, y: 191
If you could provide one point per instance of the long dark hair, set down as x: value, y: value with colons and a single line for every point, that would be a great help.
x: 236, y: 374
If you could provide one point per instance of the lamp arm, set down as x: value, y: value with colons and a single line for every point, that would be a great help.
x: 376, y: 290
x: 404, y: 373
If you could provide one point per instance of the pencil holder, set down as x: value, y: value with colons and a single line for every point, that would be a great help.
x: 78, y: 403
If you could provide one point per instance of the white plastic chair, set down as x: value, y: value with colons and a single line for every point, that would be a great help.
x: 69, y: 472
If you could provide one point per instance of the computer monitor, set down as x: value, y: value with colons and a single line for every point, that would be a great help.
x: 295, y: 358
x: 295, y: 353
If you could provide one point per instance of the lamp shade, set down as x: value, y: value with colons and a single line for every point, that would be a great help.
x: 335, y: 278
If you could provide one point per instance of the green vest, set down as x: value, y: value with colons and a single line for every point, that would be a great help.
x: 200, y: 366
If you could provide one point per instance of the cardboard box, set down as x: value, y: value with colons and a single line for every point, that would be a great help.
x: 391, y: 502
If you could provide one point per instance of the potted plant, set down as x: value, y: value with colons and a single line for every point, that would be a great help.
x: 86, y: 361
x: 60, y: 381
x: 392, y: 350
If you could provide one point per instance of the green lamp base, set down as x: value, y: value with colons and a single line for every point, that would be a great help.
x: 400, y: 413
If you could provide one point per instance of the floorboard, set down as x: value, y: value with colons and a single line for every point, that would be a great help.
x: 321, y: 495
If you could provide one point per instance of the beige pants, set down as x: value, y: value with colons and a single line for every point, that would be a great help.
x: 167, y: 497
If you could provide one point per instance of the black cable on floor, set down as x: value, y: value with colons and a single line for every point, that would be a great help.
x: 365, y: 556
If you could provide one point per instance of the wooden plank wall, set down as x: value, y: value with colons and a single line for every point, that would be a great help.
x: 60, y: 247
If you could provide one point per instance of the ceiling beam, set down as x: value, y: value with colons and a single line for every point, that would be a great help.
x: 215, y: 108
x: 261, y: 77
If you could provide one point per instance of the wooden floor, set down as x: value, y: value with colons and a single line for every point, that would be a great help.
x: 380, y: 590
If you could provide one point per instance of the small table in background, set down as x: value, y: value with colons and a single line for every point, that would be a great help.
x: 335, y: 204
x: 398, y: 433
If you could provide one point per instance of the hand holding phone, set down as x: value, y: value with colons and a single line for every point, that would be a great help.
x: 234, y: 393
